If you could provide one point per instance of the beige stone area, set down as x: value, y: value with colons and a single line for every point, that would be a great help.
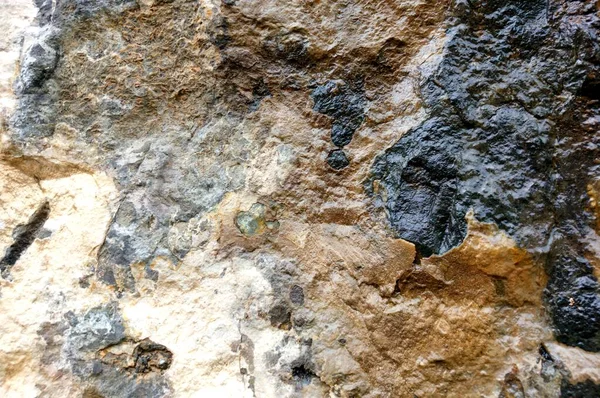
x: 44, y: 283
x: 16, y: 17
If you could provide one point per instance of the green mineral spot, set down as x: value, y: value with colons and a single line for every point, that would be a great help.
x: 252, y: 222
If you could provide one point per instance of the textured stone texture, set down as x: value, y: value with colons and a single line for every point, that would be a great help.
x: 236, y: 198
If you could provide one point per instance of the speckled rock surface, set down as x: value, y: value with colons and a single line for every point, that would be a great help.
x: 300, y: 198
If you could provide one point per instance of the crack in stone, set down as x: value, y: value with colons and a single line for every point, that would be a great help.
x: 24, y: 235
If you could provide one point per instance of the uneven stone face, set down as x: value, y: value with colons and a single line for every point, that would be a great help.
x: 507, y: 138
x: 299, y: 198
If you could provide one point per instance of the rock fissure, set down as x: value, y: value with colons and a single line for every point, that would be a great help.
x: 23, y: 236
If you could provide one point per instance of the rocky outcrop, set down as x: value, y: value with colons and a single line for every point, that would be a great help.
x: 299, y: 198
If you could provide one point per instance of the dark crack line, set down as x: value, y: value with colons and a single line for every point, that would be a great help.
x: 24, y: 235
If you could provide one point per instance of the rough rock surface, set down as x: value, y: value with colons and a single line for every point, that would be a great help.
x: 269, y: 198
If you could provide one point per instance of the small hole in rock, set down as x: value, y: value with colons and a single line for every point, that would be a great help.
x: 302, y: 375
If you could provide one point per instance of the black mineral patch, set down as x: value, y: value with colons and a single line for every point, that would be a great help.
x: 544, y: 354
x: 23, y: 236
x: 572, y: 296
x: 586, y: 389
x: 39, y: 65
x: 302, y: 372
x: 512, y: 136
x: 344, y: 102
x: 337, y: 159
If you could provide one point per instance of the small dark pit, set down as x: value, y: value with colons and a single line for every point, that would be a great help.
x: 302, y: 375
x: 150, y: 356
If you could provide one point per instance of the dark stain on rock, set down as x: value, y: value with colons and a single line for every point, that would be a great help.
x: 44, y: 233
x: 218, y: 32
x: 489, y: 145
x: 247, y: 351
x: 280, y: 316
x: 297, y: 295
x: 550, y: 369
x: 302, y: 374
x: 420, y: 175
x: 544, y: 354
x: 23, y: 236
x: 572, y: 297
x: 344, y: 102
x: 40, y: 63
x: 150, y: 273
x: 291, y: 47
x: 260, y: 91
x: 513, y: 137
x: 586, y: 389
x: 53, y: 335
x: 131, y: 238
x: 149, y: 356
x: 337, y: 159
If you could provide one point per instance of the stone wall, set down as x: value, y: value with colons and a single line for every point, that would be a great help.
x: 299, y: 198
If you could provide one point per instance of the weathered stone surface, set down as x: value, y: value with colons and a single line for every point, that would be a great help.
x: 299, y: 198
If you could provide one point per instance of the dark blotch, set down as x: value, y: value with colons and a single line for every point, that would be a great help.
x: 572, y: 297
x: 291, y: 47
x: 344, y: 102
x: 297, y: 295
x: 218, y: 32
x: 23, y: 236
x: 544, y: 354
x: 337, y: 159
x: 280, y: 316
x: 302, y: 375
x: 586, y: 389
x: 259, y: 92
